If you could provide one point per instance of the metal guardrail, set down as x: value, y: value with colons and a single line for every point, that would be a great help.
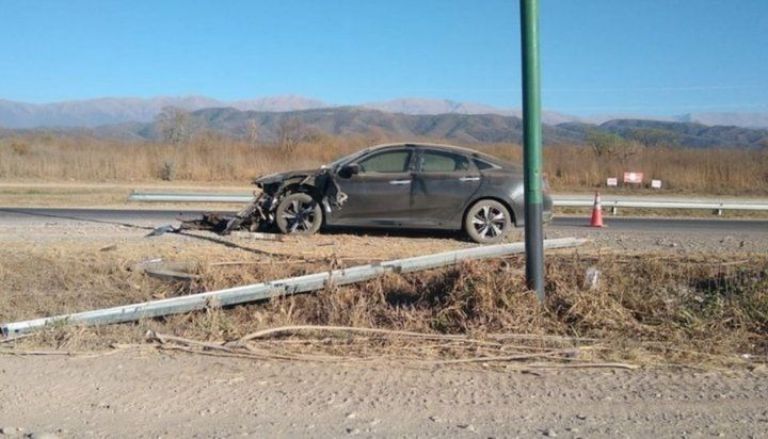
x: 615, y: 202
x: 190, y: 197
x: 611, y: 202
x: 282, y: 287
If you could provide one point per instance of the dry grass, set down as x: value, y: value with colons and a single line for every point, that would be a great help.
x: 210, y: 158
x: 205, y: 159
x: 703, y: 171
x: 646, y: 309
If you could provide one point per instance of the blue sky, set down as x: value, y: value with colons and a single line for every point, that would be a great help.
x: 599, y: 56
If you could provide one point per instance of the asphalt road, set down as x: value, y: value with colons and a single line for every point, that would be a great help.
x: 15, y: 216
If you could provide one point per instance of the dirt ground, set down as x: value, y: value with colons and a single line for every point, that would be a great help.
x: 140, y: 392
x: 146, y: 394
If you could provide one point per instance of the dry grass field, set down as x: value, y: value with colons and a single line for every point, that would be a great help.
x: 216, y: 159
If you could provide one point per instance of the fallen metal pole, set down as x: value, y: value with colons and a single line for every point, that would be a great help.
x: 282, y: 287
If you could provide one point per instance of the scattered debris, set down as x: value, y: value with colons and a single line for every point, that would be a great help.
x: 438, y: 349
x: 266, y: 261
x: 172, y: 276
x: 13, y: 339
x: 167, y: 270
x: 592, y: 278
x: 261, y: 236
x: 108, y: 248
x: 167, y: 228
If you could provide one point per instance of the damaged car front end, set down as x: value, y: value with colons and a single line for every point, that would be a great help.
x: 296, y: 195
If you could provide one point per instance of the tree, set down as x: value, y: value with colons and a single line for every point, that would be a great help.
x: 174, y: 124
x: 627, y: 150
x: 603, y: 144
x: 652, y: 137
x: 252, y: 133
x: 609, y: 145
x: 290, y: 132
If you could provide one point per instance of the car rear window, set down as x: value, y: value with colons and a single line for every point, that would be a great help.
x: 434, y: 161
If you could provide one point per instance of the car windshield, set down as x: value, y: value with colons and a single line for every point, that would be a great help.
x: 344, y: 159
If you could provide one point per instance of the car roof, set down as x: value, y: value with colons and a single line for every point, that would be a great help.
x: 445, y: 147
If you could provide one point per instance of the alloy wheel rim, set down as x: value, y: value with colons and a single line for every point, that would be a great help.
x: 299, y: 216
x: 489, y: 222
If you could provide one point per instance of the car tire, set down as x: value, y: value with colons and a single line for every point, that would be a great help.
x: 488, y: 222
x: 299, y: 214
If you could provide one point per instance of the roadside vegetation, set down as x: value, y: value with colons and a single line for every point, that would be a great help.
x: 210, y: 157
x: 650, y: 309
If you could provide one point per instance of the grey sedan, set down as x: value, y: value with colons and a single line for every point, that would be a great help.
x: 408, y: 185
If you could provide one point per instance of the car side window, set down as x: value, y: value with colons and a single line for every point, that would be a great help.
x: 483, y: 165
x: 386, y: 162
x: 437, y: 161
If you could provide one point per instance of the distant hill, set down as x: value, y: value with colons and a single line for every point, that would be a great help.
x: 689, y: 134
x: 434, y: 106
x: 452, y: 127
x: 96, y: 112
x: 444, y: 106
x: 466, y: 128
x: 104, y: 111
x: 141, y: 120
x: 108, y: 111
x: 736, y: 119
x: 744, y: 120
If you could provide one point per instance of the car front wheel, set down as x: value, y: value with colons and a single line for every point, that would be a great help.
x: 299, y: 214
x: 487, y: 222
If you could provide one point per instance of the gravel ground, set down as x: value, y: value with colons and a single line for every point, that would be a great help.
x: 643, y: 236
x: 147, y: 394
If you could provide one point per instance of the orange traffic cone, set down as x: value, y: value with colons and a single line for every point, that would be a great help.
x: 597, y: 213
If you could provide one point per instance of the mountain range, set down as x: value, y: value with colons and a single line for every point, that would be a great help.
x: 266, y: 127
x: 106, y: 111
x: 275, y: 118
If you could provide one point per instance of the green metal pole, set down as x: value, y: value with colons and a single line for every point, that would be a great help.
x: 534, y: 200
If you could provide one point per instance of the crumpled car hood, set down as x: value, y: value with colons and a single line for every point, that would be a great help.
x: 282, y: 176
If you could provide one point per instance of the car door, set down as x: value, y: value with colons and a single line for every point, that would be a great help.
x: 380, y: 194
x: 443, y: 184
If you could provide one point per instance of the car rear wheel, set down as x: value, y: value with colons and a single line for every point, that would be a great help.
x: 299, y: 214
x: 488, y: 222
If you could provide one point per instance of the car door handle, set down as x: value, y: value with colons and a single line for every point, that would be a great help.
x: 469, y: 179
x: 399, y: 181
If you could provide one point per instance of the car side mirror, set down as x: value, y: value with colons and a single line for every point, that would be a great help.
x: 349, y: 170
